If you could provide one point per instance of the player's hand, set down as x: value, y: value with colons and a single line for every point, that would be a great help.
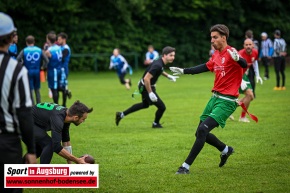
x: 244, y: 85
x: 176, y: 70
x: 172, y: 78
x: 259, y: 79
x: 81, y: 160
x: 30, y: 158
x: 153, y: 97
x: 234, y: 54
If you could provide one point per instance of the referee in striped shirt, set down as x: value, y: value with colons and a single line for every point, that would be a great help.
x: 15, y: 106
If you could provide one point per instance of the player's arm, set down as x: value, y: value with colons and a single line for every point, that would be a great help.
x: 165, y: 74
x: 66, y: 140
x: 156, y: 55
x: 20, y: 57
x: 147, y: 82
x: 111, y: 63
x: 65, y: 154
x: 196, y: 69
x: 147, y: 56
x: 47, y: 53
x: 170, y: 77
x: 56, y: 136
x: 125, y: 66
x: 147, y: 59
x: 193, y: 70
x: 257, y: 73
x: 242, y: 62
x: 236, y: 57
x: 271, y: 49
x: 44, y: 60
x: 64, y: 54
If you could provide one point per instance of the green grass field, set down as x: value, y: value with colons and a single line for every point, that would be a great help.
x: 133, y: 157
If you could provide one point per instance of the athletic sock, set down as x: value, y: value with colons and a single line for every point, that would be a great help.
x: 122, y: 115
x: 225, y: 151
x: 243, y: 114
x: 185, y: 165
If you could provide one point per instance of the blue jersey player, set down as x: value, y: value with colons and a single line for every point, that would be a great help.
x: 66, y: 54
x: 33, y: 59
x: 151, y: 55
x: 54, y: 77
x: 12, y: 50
x: 120, y: 64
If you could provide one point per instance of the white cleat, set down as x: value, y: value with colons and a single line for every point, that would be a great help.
x: 244, y: 119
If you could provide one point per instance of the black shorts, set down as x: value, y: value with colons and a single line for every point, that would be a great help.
x: 145, y: 96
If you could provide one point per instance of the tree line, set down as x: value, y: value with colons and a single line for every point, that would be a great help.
x: 100, y: 26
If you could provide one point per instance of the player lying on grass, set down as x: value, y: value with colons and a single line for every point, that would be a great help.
x: 228, y: 68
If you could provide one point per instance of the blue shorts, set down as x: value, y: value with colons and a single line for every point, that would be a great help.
x: 34, y: 79
x: 53, y: 77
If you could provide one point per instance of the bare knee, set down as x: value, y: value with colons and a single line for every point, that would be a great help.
x: 249, y: 94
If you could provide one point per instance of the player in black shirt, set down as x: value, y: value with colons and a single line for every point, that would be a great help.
x: 57, y: 119
x: 147, y: 87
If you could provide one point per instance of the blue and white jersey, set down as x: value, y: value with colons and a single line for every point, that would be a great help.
x: 266, y: 48
x: 119, y: 63
x: 55, y: 61
x: 32, y: 57
x: 66, y: 57
x: 152, y: 55
x: 13, y: 50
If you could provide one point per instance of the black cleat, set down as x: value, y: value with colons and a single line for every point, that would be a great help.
x: 118, y: 118
x: 226, y: 156
x: 156, y: 125
x: 68, y: 94
x: 182, y: 170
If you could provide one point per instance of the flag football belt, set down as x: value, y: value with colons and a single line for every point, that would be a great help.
x: 239, y: 103
x: 141, y: 87
x: 142, y: 81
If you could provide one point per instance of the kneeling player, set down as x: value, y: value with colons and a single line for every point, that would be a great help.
x: 57, y: 119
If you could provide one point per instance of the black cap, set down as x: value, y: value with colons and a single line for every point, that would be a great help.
x: 277, y: 32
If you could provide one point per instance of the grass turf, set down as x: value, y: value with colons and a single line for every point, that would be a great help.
x: 133, y: 157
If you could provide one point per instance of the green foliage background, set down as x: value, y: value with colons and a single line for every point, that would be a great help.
x: 101, y: 25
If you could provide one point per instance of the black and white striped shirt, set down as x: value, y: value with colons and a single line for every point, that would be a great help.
x: 279, y: 46
x: 15, y: 93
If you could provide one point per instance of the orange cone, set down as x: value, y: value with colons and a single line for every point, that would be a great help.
x: 42, y: 76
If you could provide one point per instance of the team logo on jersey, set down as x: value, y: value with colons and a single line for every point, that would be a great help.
x: 223, y: 60
x: 221, y: 69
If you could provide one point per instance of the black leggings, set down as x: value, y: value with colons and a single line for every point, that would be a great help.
x: 266, y: 63
x: 251, y: 77
x: 146, y: 102
x: 55, y: 96
x: 279, y: 63
x: 203, y: 135
x: 43, y: 144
